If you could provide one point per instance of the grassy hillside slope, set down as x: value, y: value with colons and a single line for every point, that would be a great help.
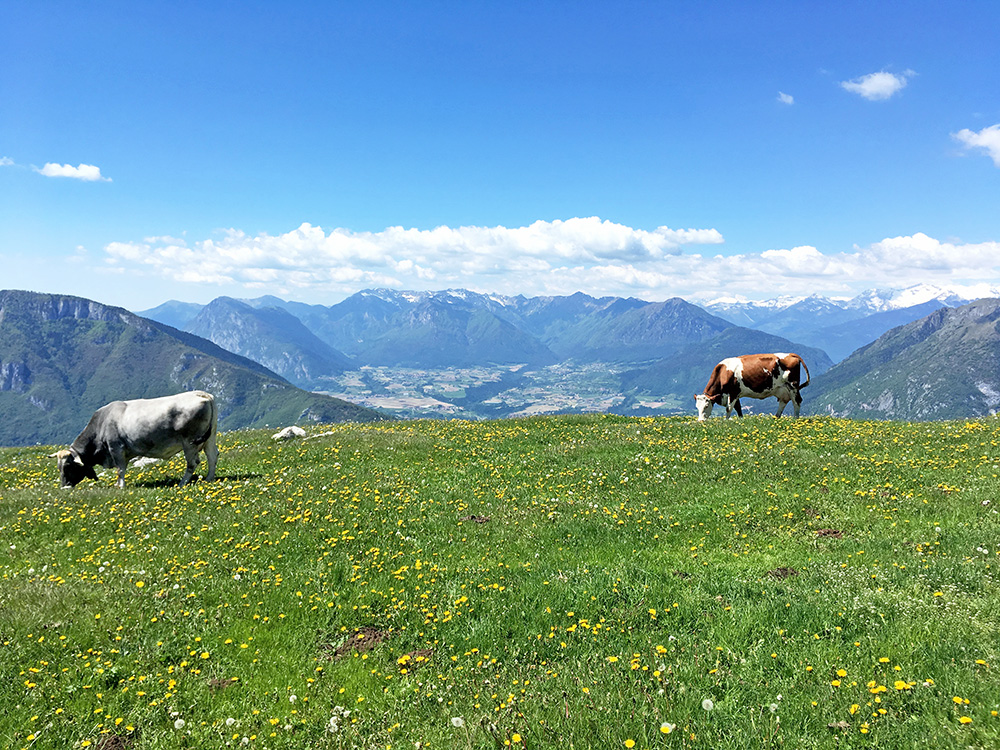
x: 562, y: 582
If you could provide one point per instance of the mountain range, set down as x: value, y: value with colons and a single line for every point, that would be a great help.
x: 452, y: 328
x: 657, y: 352
x: 63, y: 357
x: 840, y: 326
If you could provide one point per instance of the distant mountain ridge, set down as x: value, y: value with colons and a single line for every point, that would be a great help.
x: 659, y: 352
x: 943, y: 366
x: 271, y: 336
x: 456, y: 327
x: 62, y: 357
x: 840, y: 325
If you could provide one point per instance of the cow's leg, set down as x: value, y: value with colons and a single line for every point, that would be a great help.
x: 729, y: 406
x: 193, y: 459
x: 212, y: 454
x: 121, y: 463
x: 739, y: 409
x: 781, y: 407
x: 797, y: 402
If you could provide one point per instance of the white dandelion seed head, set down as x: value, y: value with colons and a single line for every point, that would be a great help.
x: 230, y: 721
x: 179, y: 724
x: 707, y: 704
x: 457, y: 721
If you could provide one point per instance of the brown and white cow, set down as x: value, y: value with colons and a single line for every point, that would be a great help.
x: 755, y: 376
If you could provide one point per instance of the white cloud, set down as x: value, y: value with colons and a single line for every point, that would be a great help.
x: 444, y: 256
x: 877, y: 86
x: 987, y: 139
x: 6, y: 161
x: 545, y: 258
x: 785, y: 98
x: 85, y: 172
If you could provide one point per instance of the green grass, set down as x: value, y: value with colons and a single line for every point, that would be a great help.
x: 824, y: 583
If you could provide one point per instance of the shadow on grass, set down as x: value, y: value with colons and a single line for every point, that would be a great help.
x: 175, y: 481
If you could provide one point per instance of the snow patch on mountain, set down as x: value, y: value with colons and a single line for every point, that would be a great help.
x: 868, y: 302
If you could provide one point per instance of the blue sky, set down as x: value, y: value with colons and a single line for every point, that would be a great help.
x: 184, y: 150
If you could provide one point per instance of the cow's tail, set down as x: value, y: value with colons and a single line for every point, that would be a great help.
x: 803, y: 385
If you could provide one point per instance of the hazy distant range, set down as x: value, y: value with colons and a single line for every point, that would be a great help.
x: 457, y: 353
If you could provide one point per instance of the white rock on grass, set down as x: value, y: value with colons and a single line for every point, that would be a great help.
x: 289, y: 433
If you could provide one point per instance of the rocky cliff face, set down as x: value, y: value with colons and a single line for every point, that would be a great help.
x: 14, y: 376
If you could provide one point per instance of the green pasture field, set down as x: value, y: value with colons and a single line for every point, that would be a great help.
x: 558, y: 582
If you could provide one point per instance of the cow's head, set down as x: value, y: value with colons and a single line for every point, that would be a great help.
x: 704, y: 405
x: 72, y: 469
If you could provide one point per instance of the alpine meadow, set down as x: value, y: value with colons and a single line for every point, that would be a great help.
x: 568, y: 581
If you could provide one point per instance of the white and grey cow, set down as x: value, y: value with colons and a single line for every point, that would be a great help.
x: 155, y: 427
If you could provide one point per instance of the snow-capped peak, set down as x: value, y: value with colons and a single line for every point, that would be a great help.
x: 880, y: 300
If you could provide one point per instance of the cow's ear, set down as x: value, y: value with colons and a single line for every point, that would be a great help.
x: 90, y: 473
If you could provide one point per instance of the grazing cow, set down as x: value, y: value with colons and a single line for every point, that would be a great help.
x: 756, y: 376
x: 156, y: 427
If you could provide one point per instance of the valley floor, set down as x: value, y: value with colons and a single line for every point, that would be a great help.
x: 490, y: 392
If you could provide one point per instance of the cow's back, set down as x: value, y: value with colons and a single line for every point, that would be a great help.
x: 159, y: 427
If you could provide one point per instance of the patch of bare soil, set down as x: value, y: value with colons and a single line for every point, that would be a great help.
x: 782, y: 573
x: 475, y: 519
x: 116, y: 741
x: 360, y: 641
x: 216, y: 684
x: 834, y: 533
